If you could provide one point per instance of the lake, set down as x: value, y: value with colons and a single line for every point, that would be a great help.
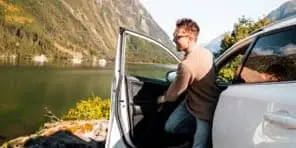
x: 25, y: 91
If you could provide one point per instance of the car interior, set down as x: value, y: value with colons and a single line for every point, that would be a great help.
x: 148, y: 117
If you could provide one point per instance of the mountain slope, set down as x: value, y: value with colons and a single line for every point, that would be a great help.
x: 70, y: 28
x: 214, y: 45
x: 285, y: 10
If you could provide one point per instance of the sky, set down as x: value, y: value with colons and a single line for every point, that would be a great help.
x: 214, y: 17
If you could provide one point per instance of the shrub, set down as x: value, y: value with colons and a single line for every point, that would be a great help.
x: 227, y: 73
x: 91, y: 108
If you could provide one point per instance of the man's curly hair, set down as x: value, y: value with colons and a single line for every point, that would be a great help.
x: 189, y: 25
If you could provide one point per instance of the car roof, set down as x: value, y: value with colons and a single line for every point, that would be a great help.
x: 289, y: 21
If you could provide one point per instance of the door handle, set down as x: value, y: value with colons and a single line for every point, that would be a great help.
x: 284, y: 121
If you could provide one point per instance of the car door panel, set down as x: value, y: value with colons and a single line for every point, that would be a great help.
x: 256, y: 116
x: 147, y: 116
x: 144, y: 93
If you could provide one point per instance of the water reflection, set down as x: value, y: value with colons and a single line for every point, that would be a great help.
x: 42, y: 60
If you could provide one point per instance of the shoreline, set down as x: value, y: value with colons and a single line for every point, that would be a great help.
x: 64, y: 133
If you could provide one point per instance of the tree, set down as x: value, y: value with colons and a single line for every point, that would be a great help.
x: 241, y: 30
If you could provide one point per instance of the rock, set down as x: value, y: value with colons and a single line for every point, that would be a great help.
x: 65, y: 134
x: 2, y: 139
x: 102, y: 62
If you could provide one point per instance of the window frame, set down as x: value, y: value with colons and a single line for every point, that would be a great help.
x: 249, y: 51
x: 229, y: 55
x: 152, y: 41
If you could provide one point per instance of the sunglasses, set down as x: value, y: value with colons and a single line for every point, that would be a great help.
x: 176, y: 38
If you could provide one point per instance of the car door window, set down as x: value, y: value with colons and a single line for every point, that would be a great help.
x: 273, y: 58
x: 229, y: 69
x: 146, y: 59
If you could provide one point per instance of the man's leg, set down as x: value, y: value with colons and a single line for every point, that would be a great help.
x: 181, y: 121
x: 202, y: 133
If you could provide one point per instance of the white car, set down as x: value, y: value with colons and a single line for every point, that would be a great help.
x: 257, y: 108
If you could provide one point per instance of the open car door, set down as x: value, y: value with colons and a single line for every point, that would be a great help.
x: 140, y: 77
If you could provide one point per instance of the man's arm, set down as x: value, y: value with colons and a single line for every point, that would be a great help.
x: 177, y: 87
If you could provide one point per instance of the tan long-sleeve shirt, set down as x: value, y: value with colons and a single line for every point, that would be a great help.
x: 196, y: 74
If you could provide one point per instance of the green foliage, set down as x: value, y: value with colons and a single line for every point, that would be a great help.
x: 241, y: 30
x: 227, y: 73
x: 90, y: 108
x: 51, y: 22
x: 2, y: 13
x: 20, y: 32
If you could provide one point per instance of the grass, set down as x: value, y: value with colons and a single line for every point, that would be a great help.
x: 91, y: 108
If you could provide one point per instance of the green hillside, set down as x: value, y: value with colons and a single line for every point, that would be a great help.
x: 64, y: 29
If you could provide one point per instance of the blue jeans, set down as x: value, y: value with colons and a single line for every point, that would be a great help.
x: 181, y: 121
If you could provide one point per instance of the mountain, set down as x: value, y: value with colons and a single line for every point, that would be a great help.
x: 62, y: 29
x: 214, y: 45
x: 283, y: 11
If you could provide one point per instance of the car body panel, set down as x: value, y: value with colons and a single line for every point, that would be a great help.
x: 240, y: 117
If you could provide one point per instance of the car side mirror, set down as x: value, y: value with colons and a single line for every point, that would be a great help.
x: 171, y: 76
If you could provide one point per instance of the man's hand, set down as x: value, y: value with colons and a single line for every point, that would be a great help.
x: 160, y: 99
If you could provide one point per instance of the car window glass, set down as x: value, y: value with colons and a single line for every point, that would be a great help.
x: 228, y: 71
x: 273, y: 58
x: 146, y: 59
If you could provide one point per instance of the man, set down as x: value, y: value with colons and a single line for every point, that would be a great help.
x: 197, y: 75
